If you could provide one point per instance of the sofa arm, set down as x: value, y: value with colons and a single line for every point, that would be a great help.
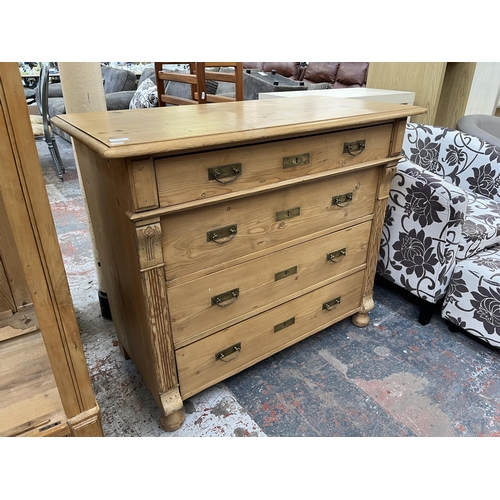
x: 422, y: 229
x: 119, y: 100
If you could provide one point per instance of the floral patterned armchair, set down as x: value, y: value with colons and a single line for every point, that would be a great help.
x: 443, y: 207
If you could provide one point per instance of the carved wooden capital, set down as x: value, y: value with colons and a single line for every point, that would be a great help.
x: 149, y: 246
x: 385, y: 181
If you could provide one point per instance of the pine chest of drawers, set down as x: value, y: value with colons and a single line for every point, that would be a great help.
x: 227, y: 232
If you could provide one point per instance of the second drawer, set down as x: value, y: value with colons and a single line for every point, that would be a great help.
x: 205, y: 305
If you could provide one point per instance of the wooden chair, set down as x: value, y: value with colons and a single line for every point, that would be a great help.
x: 197, y: 78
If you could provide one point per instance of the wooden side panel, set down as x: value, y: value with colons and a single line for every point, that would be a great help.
x: 455, y: 95
x: 6, y: 299
x: 129, y: 263
x: 28, y: 212
x: 423, y: 78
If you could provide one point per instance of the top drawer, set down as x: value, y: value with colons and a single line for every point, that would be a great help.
x: 204, y: 175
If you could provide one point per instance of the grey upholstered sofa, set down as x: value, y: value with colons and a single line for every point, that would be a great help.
x: 119, y: 87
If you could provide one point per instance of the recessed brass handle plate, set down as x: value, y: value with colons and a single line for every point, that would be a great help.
x: 231, y: 171
x: 287, y: 214
x: 285, y: 324
x: 354, y: 148
x: 337, y: 255
x: 284, y: 274
x: 342, y: 200
x: 331, y: 304
x: 226, y: 298
x: 296, y: 160
x: 222, y: 234
x: 233, y: 351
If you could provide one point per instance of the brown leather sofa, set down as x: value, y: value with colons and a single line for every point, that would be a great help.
x: 337, y: 74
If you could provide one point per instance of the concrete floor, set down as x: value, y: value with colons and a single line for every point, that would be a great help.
x: 392, y: 378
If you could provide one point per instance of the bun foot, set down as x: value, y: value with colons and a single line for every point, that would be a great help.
x: 361, y: 320
x: 173, y: 421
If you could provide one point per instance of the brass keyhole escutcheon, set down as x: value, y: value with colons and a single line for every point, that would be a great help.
x: 296, y: 160
x: 288, y: 213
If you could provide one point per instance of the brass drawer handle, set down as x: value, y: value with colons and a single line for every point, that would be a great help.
x: 354, y: 148
x: 233, y: 170
x: 228, y: 232
x: 234, y: 349
x: 296, y: 160
x: 336, y: 256
x: 342, y: 200
x: 221, y: 300
x: 331, y: 304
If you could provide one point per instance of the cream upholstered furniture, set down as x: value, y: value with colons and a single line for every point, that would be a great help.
x: 397, y: 96
x: 230, y: 231
x: 443, y: 213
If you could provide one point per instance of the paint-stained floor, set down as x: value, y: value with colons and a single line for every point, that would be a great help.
x: 392, y: 378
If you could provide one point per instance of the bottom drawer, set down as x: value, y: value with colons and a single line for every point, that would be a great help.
x: 200, y: 365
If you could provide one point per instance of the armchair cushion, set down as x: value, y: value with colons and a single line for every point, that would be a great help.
x: 481, y: 227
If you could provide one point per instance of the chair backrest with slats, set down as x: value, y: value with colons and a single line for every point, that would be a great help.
x: 197, y: 79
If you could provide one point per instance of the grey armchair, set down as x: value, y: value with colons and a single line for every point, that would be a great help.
x: 486, y: 127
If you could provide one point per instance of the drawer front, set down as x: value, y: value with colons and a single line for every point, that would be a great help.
x: 242, y: 345
x: 205, y: 175
x: 218, y: 300
x: 199, y: 239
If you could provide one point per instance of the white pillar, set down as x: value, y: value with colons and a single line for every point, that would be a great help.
x: 83, y: 91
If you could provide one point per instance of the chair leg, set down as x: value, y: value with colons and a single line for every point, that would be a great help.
x: 56, y: 150
x: 56, y: 157
x: 427, y: 310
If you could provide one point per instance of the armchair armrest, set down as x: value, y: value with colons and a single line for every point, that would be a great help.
x: 422, y: 229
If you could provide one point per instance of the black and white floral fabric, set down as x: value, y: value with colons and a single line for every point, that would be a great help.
x: 473, y: 298
x: 444, y: 207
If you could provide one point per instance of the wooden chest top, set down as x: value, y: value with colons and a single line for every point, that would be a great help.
x: 132, y: 133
